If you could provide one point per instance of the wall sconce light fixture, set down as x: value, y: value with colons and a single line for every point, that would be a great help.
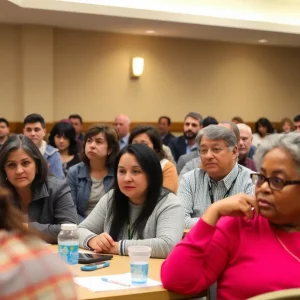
x: 137, y: 67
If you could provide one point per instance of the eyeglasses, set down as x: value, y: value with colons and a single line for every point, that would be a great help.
x: 215, y: 150
x: 275, y: 183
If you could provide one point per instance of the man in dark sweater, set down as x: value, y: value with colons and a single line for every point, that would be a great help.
x: 4, y: 131
x: 187, y: 142
x: 164, y: 124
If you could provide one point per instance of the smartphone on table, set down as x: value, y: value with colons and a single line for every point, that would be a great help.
x: 87, y: 258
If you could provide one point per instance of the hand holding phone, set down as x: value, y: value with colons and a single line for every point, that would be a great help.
x: 95, y: 266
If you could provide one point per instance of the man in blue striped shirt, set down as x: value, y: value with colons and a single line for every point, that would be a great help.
x: 219, y: 177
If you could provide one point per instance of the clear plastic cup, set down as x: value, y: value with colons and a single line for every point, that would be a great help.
x: 139, y: 264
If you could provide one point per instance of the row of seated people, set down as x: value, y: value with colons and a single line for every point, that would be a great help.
x: 112, y: 225
x: 193, y: 122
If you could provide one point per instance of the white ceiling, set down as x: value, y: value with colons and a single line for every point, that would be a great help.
x: 247, y: 22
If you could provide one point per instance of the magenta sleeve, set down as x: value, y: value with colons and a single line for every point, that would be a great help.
x: 199, y: 259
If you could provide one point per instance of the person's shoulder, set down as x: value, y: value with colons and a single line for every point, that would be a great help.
x: 168, y: 198
x: 17, y: 240
x: 245, y: 172
x: 241, y: 225
x: 55, y: 184
x: 76, y: 168
x: 54, y: 181
x: 50, y: 150
x: 177, y: 139
x: 193, y: 173
x: 166, y: 164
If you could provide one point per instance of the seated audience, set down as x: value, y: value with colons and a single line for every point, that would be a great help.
x: 219, y: 177
x: 35, y: 129
x: 62, y: 137
x: 209, y: 121
x: 237, y: 120
x: 168, y: 153
x: 287, y: 125
x: 149, y: 136
x: 77, y: 121
x: 196, y: 162
x: 93, y: 177
x: 29, y: 270
x: 164, y: 124
x: 263, y: 127
x: 297, y: 123
x: 122, y: 126
x: 185, y: 158
x: 249, y: 245
x: 139, y: 211
x: 4, y: 131
x: 186, y: 143
x: 244, y: 147
x: 45, y: 200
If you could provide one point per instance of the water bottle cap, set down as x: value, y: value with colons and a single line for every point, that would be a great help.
x: 68, y: 226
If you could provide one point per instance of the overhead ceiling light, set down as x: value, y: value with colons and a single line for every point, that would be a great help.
x: 150, y: 31
x: 263, y: 41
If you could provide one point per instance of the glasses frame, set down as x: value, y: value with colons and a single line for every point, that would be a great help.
x: 269, y: 179
x: 212, y: 150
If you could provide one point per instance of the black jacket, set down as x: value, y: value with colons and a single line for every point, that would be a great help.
x: 168, y: 138
x: 178, y: 147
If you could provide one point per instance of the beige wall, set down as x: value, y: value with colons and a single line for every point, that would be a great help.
x: 88, y: 73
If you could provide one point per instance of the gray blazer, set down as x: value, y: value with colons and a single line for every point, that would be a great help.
x: 51, y: 206
x: 183, y: 159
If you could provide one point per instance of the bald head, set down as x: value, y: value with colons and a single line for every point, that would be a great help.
x: 245, y: 142
x: 232, y: 127
x: 122, y: 125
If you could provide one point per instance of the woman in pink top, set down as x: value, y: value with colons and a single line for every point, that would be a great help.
x: 249, y: 245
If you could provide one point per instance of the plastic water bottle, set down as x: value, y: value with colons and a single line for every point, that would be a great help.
x: 68, y: 243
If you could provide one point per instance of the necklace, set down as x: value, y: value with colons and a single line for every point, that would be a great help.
x: 286, y: 249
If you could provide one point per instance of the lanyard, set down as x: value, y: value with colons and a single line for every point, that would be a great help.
x: 129, y: 232
x: 226, y: 194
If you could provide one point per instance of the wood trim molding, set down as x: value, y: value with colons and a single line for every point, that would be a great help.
x: 17, y: 127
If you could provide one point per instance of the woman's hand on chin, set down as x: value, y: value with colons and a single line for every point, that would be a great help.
x: 238, y: 205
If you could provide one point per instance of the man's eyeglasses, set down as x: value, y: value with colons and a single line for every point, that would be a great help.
x: 275, y: 183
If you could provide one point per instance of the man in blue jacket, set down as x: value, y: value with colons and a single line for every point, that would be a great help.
x: 34, y: 128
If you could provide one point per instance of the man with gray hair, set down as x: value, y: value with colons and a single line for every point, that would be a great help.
x: 196, y: 162
x: 186, y: 143
x: 219, y: 177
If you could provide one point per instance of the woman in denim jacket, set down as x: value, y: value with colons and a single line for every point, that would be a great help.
x: 93, y: 177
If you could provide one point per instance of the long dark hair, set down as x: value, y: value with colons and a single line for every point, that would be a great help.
x: 10, y: 218
x: 14, y: 143
x: 150, y: 164
x: 153, y: 135
x: 67, y: 130
x: 264, y: 123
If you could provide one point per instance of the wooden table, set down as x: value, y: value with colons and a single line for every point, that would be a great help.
x: 119, y: 265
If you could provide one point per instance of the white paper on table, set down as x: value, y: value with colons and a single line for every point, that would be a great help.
x: 96, y: 284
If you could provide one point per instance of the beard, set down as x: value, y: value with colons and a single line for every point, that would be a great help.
x: 190, y: 135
